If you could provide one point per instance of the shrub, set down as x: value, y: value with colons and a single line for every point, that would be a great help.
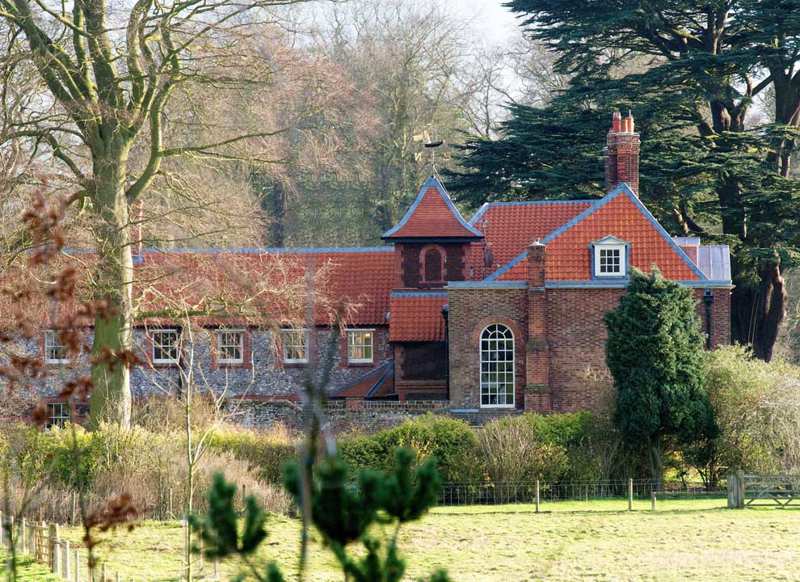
x: 512, y: 451
x: 756, y: 408
x: 265, y: 452
x: 450, y: 441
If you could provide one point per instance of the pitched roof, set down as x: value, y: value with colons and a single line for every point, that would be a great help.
x: 509, y: 227
x: 417, y: 316
x: 622, y: 214
x: 248, y: 286
x: 432, y: 216
x: 376, y: 383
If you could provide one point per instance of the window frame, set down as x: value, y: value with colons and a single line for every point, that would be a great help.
x: 350, y: 358
x: 164, y: 361
x: 286, y: 358
x: 609, y: 244
x: 219, y: 347
x: 59, y: 420
x: 513, y: 370
x: 53, y: 333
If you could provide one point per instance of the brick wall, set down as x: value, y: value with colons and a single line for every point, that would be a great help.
x: 410, y: 263
x: 471, y: 310
x: 577, y: 336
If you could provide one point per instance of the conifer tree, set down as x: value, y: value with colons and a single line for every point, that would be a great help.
x: 655, y: 354
x: 691, y: 72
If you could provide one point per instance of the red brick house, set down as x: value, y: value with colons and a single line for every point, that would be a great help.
x: 504, y: 311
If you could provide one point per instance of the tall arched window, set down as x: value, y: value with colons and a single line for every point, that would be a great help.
x: 432, y: 265
x: 497, y: 366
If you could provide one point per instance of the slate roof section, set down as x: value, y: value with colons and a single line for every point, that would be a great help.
x: 433, y: 216
x: 715, y: 262
x: 377, y: 383
x: 417, y: 316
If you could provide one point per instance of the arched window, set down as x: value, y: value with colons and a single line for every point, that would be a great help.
x: 497, y: 366
x: 432, y: 265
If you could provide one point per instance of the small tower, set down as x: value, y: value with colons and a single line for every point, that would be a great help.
x: 431, y: 240
x: 622, y: 153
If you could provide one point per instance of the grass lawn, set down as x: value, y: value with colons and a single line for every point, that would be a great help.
x: 598, y: 540
x: 27, y: 570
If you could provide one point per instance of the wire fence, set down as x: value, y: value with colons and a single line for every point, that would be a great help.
x: 456, y: 494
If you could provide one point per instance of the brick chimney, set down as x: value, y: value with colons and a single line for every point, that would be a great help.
x: 622, y: 153
x: 537, y: 350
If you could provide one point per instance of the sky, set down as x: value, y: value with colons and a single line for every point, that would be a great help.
x: 489, y: 17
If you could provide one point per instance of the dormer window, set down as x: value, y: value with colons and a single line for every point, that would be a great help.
x: 610, y: 257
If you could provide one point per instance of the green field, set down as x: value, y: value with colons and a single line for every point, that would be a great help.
x: 598, y: 540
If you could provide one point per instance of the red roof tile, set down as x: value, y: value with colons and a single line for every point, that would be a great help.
x: 621, y: 215
x: 432, y: 215
x: 417, y: 316
x: 509, y: 227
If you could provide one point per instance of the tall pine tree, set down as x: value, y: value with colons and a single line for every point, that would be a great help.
x: 655, y: 354
x: 706, y: 170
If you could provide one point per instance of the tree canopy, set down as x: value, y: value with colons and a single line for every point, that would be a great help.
x: 715, y: 89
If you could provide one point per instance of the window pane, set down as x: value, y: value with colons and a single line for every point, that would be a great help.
x: 497, y: 366
x: 165, y: 346
x: 294, y: 345
x: 230, y: 346
x: 55, y: 351
x: 359, y: 346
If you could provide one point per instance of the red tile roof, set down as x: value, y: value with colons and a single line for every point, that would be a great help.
x: 509, y: 227
x: 432, y: 215
x: 417, y: 316
x: 359, y: 278
x: 245, y: 285
x: 619, y: 214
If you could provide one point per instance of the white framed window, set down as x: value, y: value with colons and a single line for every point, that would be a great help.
x: 57, y: 414
x: 230, y: 346
x: 360, y: 346
x: 55, y: 352
x: 497, y: 367
x: 610, y: 258
x: 295, y: 346
x: 165, y: 346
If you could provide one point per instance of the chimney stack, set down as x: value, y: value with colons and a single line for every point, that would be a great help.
x: 622, y: 153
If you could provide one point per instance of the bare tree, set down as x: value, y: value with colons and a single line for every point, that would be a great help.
x: 108, y: 74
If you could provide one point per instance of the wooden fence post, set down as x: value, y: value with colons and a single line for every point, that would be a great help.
x: 630, y: 494
x: 23, y: 528
x: 77, y: 559
x: 537, y: 496
x: 55, y: 559
x: 66, y: 566
x: 736, y: 490
x: 52, y: 544
x: 652, y: 501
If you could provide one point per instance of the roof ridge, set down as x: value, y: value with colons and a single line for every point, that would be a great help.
x: 486, y: 206
x: 267, y: 250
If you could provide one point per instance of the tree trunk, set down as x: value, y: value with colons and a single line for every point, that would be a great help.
x: 758, y: 310
x: 656, y: 463
x: 113, y: 285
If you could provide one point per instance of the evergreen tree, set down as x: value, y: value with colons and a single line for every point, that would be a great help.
x: 655, y: 354
x: 691, y: 72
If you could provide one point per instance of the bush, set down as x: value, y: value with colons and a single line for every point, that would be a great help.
x: 450, y: 441
x: 512, y: 451
x: 265, y: 452
x: 756, y: 408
